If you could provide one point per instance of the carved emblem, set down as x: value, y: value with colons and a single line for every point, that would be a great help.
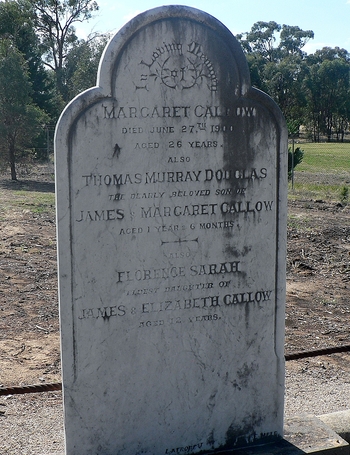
x: 179, y: 67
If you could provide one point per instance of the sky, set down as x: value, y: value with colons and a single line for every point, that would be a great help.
x: 328, y: 19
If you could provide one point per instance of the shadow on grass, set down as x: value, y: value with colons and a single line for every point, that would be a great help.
x: 28, y: 185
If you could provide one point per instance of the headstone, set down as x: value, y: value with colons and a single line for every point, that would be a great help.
x: 171, y: 209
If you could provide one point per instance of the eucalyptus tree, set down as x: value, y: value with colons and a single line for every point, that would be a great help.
x: 292, y: 41
x: 277, y: 64
x: 55, y: 22
x: 259, y: 46
x: 328, y: 92
x: 284, y: 82
x: 17, y: 26
x: 20, y: 118
x: 82, y: 62
x: 261, y: 40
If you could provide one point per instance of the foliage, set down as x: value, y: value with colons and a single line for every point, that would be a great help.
x: 344, y: 194
x: 17, y: 27
x: 328, y: 92
x: 294, y: 159
x: 311, y: 90
x: 19, y: 116
x: 278, y: 69
x: 35, y: 39
x: 293, y: 39
x: 54, y: 22
x: 284, y: 83
x: 82, y: 64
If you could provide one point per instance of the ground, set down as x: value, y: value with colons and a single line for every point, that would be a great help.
x: 318, y: 283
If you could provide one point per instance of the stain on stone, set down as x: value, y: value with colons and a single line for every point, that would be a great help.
x: 238, y: 436
x: 116, y: 151
x: 211, y: 439
x: 245, y: 373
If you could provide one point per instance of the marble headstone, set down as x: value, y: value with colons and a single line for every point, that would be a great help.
x: 171, y: 209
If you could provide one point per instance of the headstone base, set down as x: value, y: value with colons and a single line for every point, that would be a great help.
x: 311, y: 435
x: 339, y: 422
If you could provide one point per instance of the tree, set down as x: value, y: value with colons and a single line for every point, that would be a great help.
x: 19, y: 116
x: 342, y: 118
x: 293, y: 39
x: 328, y: 88
x: 294, y: 158
x: 260, y: 40
x: 284, y: 83
x: 329, y: 53
x: 258, y: 45
x: 279, y: 69
x: 81, y: 64
x: 16, y: 25
x: 54, y: 22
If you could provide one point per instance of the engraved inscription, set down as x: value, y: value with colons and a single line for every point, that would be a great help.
x: 150, y: 308
x: 200, y: 111
x: 147, y: 178
x: 185, y: 449
x: 197, y: 200
x: 178, y: 66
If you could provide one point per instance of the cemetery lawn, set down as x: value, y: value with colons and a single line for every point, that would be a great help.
x: 327, y: 157
x: 323, y: 172
x: 318, y: 282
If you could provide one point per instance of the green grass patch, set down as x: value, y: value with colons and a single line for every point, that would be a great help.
x: 325, y: 157
x: 324, y: 172
x: 34, y: 201
x: 315, y: 191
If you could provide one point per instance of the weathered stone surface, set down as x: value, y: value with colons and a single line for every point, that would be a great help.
x: 339, y: 422
x: 171, y: 209
x: 311, y: 435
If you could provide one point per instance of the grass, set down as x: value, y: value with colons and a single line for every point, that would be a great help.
x: 316, y: 192
x: 298, y: 222
x: 324, y: 172
x: 35, y: 201
x: 325, y: 157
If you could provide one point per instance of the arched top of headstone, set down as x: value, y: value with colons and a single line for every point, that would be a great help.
x: 192, y: 52
x: 174, y: 52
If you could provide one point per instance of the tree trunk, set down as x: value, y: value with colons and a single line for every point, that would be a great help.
x: 12, y: 160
